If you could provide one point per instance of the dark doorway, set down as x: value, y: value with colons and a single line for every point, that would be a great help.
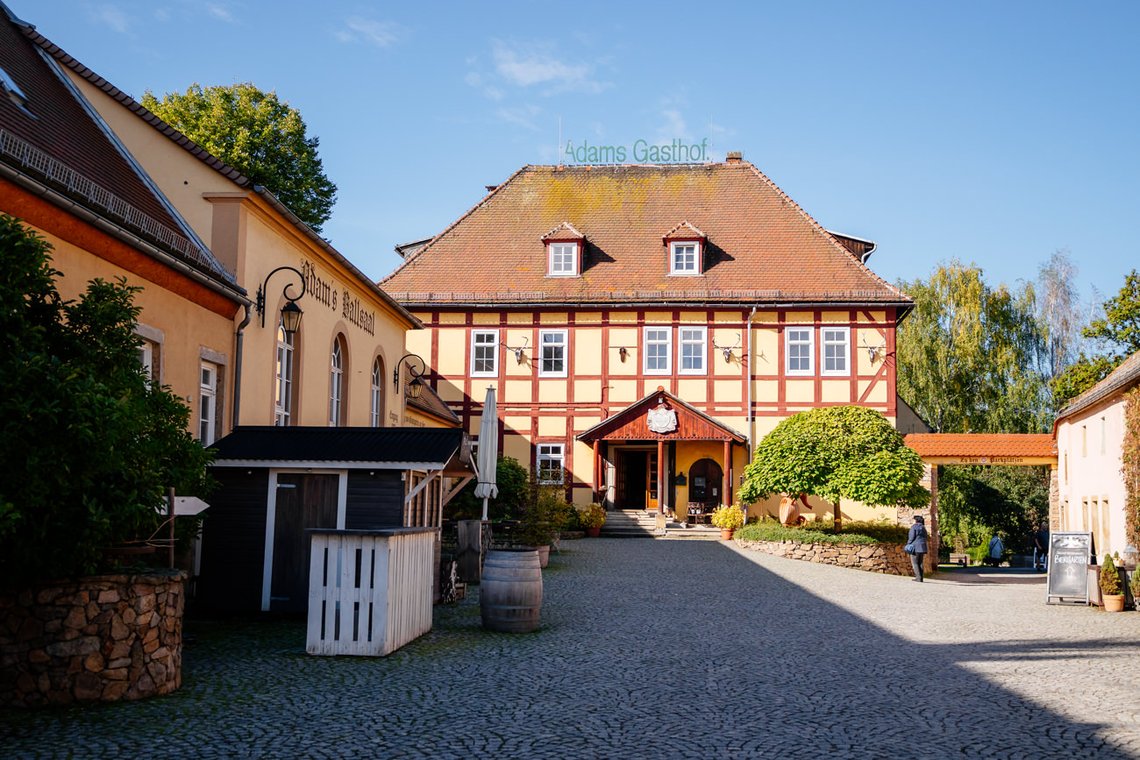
x: 303, y: 502
x: 706, y: 479
x: 632, y: 480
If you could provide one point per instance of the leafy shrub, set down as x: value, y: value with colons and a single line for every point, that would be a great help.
x: 545, y: 515
x: 1109, y: 578
x: 593, y: 516
x: 824, y: 532
x: 728, y: 518
x: 88, y: 444
x: 1134, y: 586
x: 514, y: 491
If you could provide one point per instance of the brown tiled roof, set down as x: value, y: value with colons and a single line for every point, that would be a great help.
x: 429, y: 402
x: 53, y: 140
x: 761, y: 246
x: 1119, y: 380
x: 982, y: 445
x: 683, y: 230
x: 563, y: 231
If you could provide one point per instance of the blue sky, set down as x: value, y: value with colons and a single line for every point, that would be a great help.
x: 991, y: 132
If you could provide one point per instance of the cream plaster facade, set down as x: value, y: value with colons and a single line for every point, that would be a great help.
x: 1091, y: 490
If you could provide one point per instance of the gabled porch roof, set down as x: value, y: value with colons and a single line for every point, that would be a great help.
x: 632, y: 423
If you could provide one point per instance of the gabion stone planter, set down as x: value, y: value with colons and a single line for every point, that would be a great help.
x: 97, y: 639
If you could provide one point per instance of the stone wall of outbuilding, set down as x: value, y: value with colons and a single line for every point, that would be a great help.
x: 874, y: 558
x: 102, y: 638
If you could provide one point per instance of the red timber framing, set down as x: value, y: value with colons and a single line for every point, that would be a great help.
x: 683, y: 423
x: 532, y: 320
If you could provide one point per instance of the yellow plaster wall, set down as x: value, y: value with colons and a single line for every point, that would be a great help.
x: 517, y: 447
x: 552, y: 391
x: 587, y: 391
x: 552, y: 427
x: 552, y: 318
x: 765, y: 352
x: 518, y: 424
x: 587, y: 351
x: 693, y: 391
x: 728, y: 391
x: 452, y: 345
x: 630, y: 339
x: 179, y: 355
x: 799, y: 391
x: 878, y: 394
x: 836, y: 391
x: 485, y: 318
x: 799, y: 317
x: 623, y: 391
x: 588, y: 317
x: 517, y: 391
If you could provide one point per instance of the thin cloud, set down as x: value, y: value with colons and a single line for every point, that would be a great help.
x: 672, y: 126
x: 521, y: 116
x: 111, y: 16
x: 381, y: 34
x: 530, y: 66
x: 220, y: 12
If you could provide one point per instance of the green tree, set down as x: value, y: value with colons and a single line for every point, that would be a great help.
x: 88, y: 445
x: 976, y: 502
x: 969, y: 355
x: 836, y: 452
x: 257, y: 134
x: 512, y: 480
x: 1118, y: 330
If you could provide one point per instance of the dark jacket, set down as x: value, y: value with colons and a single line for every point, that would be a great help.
x: 917, y: 536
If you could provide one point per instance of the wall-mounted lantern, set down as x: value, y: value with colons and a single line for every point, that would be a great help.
x: 290, y: 313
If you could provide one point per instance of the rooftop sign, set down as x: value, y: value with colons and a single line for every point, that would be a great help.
x: 640, y: 152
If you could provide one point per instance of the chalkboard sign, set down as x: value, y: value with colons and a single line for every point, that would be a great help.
x: 1069, y: 555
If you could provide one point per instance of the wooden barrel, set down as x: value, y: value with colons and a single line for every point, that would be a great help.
x: 510, y: 593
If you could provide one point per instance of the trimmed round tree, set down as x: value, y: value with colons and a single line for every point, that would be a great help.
x: 835, y: 453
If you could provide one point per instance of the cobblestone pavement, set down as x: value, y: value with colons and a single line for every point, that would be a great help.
x: 657, y: 649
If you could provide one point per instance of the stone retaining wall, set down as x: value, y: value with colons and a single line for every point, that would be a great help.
x: 874, y: 558
x: 102, y: 638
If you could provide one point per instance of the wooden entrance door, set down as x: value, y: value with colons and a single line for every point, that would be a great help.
x: 637, y: 480
x: 303, y: 501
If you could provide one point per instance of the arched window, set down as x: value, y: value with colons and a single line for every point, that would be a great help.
x: 336, y: 384
x: 377, y: 398
x: 283, y: 400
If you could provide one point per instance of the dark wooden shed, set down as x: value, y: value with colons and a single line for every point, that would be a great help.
x: 275, y: 483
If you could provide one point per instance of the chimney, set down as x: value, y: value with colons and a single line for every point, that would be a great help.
x: 734, y: 157
x: 491, y: 188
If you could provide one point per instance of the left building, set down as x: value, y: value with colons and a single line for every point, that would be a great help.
x: 335, y: 376
x: 68, y: 177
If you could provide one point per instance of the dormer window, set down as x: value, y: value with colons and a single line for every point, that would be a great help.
x: 564, y: 246
x: 563, y: 259
x: 686, y: 246
x: 12, y: 91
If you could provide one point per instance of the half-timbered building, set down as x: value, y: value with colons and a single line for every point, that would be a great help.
x: 645, y: 325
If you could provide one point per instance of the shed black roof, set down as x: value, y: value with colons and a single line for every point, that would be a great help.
x: 352, y: 446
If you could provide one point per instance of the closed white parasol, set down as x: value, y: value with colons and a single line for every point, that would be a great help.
x: 488, y: 452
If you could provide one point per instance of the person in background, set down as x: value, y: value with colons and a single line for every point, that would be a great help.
x: 917, y: 537
x: 995, y: 551
x: 1041, y: 548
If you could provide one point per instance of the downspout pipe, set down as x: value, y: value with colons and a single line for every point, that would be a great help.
x: 748, y: 382
x: 239, y: 339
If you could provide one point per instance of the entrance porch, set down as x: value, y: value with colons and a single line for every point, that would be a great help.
x: 664, y: 456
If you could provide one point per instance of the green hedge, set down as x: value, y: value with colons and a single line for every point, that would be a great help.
x: 824, y: 532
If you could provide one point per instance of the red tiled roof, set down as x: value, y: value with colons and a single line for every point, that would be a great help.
x: 761, y: 246
x: 563, y: 232
x: 683, y: 230
x: 982, y: 445
x: 54, y: 141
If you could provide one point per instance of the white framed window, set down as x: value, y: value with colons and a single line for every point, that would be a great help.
x: 147, y: 356
x: 552, y: 353
x: 376, y: 399
x: 800, y: 348
x: 683, y: 258
x: 551, y: 461
x: 836, y: 350
x: 658, y: 345
x: 283, y: 385
x: 694, y: 351
x: 562, y: 259
x: 207, y: 403
x: 336, y: 385
x: 485, y: 353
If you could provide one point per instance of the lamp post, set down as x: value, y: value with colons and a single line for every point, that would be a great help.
x: 290, y: 313
x: 416, y: 368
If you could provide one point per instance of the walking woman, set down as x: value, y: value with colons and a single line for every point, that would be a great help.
x: 916, y: 541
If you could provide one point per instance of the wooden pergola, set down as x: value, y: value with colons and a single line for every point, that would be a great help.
x: 991, y: 449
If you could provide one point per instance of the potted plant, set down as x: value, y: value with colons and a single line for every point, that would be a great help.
x: 728, y: 519
x: 1134, y: 587
x: 593, y: 518
x: 1111, y: 589
x: 541, y: 520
